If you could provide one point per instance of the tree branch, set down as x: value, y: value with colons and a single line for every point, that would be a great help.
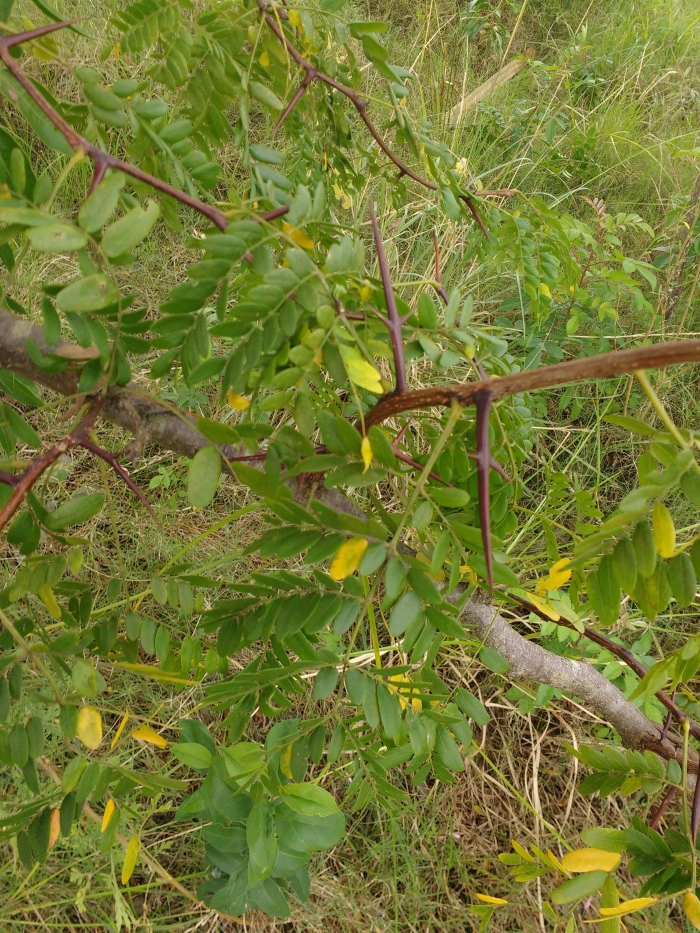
x: 394, y: 321
x: 529, y: 661
x: 103, y: 160
x: 601, y: 366
x: 312, y: 73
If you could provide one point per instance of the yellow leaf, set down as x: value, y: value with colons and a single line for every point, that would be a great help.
x: 465, y: 568
x: 416, y: 702
x: 361, y: 372
x: 116, y: 51
x: 299, y: 237
x: 366, y: 450
x: 294, y: 18
x: 120, y: 729
x: 628, y: 907
x: 237, y: 401
x: 544, y: 290
x: 558, y: 575
x: 487, y: 899
x: 542, y: 605
x: 89, y: 727
x: 55, y: 827
x: 264, y: 59
x: 286, y: 762
x: 146, y: 734
x: 365, y: 291
x: 590, y: 860
x: 5, y: 191
x: 49, y: 600
x: 348, y: 558
x: 664, y: 531
x: 132, y: 854
x: 691, y: 906
x: 107, y: 815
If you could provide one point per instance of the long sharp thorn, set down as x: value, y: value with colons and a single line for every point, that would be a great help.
x: 20, y: 37
x: 120, y: 471
x: 477, y: 216
x: 482, y: 400
x: 98, y: 174
x: 295, y: 100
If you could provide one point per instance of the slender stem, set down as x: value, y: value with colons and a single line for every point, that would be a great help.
x: 434, y: 454
x: 374, y: 634
x: 393, y: 322
x: 643, y: 380
x: 24, y: 645
x: 662, y: 807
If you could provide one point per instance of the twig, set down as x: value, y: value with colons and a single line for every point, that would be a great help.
x: 28, y: 477
x: 602, y: 366
x: 111, y: 459
x: 394, y: 321
x: 103, y: 160
x: 312, y: 73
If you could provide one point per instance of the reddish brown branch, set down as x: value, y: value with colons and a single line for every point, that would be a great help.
x: 24, y: 481
x: 394, y: 320
x: 602, y: 366
x: 313, y: 73
x: 103, y: 160
x: 111, y: 459
x: 663, y: 806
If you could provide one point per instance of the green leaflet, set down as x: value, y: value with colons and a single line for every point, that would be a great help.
x: 203, y: 476
x: 130, y: 230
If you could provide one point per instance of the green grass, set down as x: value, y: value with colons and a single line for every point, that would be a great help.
x: 619, y: 87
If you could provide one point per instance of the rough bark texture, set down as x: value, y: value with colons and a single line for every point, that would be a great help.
x: 529, y: 661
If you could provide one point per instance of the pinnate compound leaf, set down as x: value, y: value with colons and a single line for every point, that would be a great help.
x: 150, y: 736
x: 98, y: 207
x: 130, y: 859
x: 578, y: 887
x: 664, y: 530
x: 628, y: 907
x: 203, y: 477
x: 130, y: 230
x: 691, y: 908
x: 193, y: 755
x: 91, y: 293
x: 76, y: 510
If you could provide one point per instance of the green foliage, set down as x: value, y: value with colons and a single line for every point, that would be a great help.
x: 275, y: 337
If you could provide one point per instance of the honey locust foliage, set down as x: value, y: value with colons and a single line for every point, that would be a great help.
x: 379, y: 525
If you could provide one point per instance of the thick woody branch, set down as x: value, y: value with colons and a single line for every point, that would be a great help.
x: 529, y: 661
x: 602, y: 366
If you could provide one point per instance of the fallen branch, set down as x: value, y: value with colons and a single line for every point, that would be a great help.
x: 492, y: 84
